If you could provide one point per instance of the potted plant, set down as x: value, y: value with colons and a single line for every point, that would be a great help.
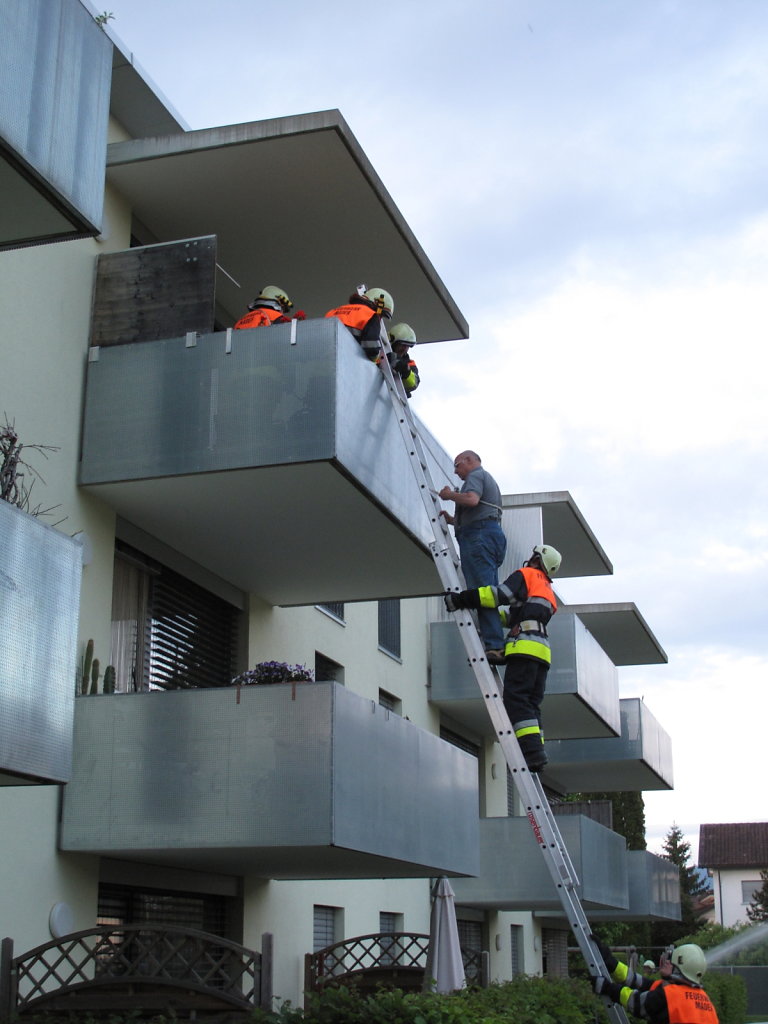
x: 268, y: 672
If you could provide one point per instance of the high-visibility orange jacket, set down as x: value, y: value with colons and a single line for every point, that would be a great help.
x: 262, y: 316
x: 662, y: 1001
x: 532, y: 603
x: 355, y: 316
x: 669, y: 1003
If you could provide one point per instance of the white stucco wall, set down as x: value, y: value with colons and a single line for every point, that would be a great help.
x: 33, y: 875
x: 729, y: 908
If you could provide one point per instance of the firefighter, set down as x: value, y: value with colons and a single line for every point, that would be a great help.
x: 270, y: 307
x: 363, y: 314
x: 402, y: 337
x: 532, y: 603
x: 677, y: 997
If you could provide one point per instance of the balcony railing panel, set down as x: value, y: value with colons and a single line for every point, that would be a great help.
x: 582, y: 686
x: 55, y: 70
x: 654, y: 888
x: 285, y: 781
x: 271, y: 456
x: 40, y: 595
x: 638, y: 759
x: 514, y: 876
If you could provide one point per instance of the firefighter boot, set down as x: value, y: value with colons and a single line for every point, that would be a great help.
x: 532, y: 747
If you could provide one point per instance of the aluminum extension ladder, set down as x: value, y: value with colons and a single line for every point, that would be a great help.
x: 528, y: 784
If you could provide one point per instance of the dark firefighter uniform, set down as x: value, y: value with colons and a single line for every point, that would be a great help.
x: 406, y: 368
x: 363, y: 319
x: 673, y: 1000
x: 532, y: 603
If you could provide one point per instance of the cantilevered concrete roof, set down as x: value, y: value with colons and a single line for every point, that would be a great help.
x: 565, y: 528
x: 622, y: 632
x: 293, y: 201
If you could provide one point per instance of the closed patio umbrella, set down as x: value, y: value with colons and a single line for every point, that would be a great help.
x: 445, y: 969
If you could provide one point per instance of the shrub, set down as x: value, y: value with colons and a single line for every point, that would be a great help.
x: 523, y: 1001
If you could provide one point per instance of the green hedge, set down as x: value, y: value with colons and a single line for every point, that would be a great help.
x: 729, y: 994
x: 523, y: 1001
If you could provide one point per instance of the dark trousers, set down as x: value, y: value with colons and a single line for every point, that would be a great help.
x: 525, y: 680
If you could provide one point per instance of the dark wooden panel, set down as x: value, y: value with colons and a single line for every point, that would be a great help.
x: 154, y: 292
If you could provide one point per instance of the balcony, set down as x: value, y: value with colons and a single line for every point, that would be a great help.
x: 582, y: 697
x: 40, y: 595
x: 640, y: 758
x: 514, y: 876
x: 271, y: 457
x: 285, y: 782
x: 55, y: 68
x: 654, y: 889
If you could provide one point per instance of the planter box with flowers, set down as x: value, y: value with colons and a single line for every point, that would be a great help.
x: 268, y: 672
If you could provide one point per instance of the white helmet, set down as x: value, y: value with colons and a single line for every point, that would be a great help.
x: 382, y: 300
x: 274, y: 296
x: 690, y: 961
x: 402, y: 333
x: 550, y: 558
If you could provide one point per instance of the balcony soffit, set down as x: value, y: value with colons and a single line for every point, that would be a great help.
x: 565, y: 528
x: 622, y: 632
x: 305, y: 186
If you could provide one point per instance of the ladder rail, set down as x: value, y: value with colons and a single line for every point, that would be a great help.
x: 528, y: 784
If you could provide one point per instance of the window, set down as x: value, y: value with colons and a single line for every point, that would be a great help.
x: 124, y: 904
x: 389, y: 923
x: 324, y: 927
x: 470, y: 934
x: 459, y: 741
x: 167, y: 632
x: 554, y: 944
x: 516, y: 948
x: 328, y: 670
x: 157, y: 908
x: 390, y: 702
x: 389, y: 626
x: 748, y: 890
x: 334, y: 608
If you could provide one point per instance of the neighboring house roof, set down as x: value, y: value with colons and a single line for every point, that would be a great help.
x: 734, y: 845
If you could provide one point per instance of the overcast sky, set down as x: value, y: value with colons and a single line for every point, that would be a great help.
x: 589, y: 178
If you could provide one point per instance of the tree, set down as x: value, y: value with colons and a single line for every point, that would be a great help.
x: 677, y: 849
x: 628, y: 820
x: 758, y: 907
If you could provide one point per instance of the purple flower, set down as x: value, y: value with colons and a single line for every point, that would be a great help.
x: 274, y: 672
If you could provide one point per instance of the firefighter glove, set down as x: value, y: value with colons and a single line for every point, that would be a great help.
x: 598, y: 983
x: 299, y: 315
x: 463, y: 599
x: 605, y: 987
x: 609, y: 959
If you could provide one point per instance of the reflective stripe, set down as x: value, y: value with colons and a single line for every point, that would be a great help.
x: 530, y: 731
x: 532, y: 626
x: 621, y: 971
x: 532, y: 648
x: 487, y: 597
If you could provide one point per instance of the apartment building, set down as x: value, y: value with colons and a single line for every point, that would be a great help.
x: 228, y: 498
